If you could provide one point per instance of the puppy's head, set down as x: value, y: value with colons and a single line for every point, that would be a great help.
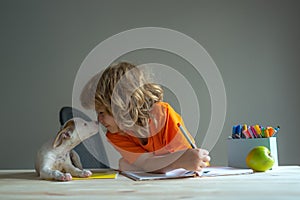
x: 75, y: 131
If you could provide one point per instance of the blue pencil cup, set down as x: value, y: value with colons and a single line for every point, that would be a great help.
x: 238, y: 150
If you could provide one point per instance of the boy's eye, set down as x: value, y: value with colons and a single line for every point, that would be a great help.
x: 100, y: 113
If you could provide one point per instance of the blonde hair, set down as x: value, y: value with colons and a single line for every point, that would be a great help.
x: 127, y: 94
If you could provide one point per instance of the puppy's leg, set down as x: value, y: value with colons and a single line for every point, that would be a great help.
x: 69, y: 167
x: 75, y: 159
x: 49, y: 174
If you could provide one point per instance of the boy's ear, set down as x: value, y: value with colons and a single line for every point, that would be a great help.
x: 62, y: 135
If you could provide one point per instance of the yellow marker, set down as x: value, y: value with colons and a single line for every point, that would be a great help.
x: 267, y: 134
x: 244, y: 127
x: 257, y: 129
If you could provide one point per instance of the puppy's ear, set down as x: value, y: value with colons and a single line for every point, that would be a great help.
x: 63, y: 134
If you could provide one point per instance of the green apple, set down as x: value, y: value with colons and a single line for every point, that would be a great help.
x: 260, y: 159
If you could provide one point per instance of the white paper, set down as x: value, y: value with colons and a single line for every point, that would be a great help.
x: 224, y: 171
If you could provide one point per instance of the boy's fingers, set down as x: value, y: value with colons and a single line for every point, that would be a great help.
x: 203, y: 155
x: 203, y: 164
x: 206, y: 159
x: 205, y: 152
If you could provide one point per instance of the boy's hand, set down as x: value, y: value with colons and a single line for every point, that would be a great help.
x: 194, y: 159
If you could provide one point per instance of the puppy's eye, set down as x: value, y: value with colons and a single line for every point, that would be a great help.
x: 85, y: 124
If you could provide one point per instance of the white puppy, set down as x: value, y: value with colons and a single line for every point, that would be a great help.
x: 56, y: 160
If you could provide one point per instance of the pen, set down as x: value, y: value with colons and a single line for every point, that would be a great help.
x: 189, y: 139
x: 186, y: 136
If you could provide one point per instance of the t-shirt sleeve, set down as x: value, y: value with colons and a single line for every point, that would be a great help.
x: 173, y: 137
x: 167, y: 136
x: 129, y: 150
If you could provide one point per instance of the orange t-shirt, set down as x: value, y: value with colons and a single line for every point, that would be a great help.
x: 165, y: 136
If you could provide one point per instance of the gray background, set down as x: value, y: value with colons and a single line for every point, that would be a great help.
x: 254, y: 43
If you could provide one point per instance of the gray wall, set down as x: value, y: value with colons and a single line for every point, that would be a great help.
x: 254, y: 43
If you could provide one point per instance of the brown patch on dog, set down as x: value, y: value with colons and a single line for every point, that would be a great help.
x: 64, y: 133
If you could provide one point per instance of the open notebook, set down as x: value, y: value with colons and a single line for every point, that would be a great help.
x: 182, y: 173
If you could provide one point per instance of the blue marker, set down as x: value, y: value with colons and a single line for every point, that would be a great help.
x: 236, y: 132
x: 276, y: 131
x: 239, y: 131
x: 233, y: 131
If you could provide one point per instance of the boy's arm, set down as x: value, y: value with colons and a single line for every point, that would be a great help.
x: 190, y: 159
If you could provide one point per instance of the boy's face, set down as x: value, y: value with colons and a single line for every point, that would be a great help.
x: 107, y: 120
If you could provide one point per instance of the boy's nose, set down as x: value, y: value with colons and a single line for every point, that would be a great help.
x: 100, y: 119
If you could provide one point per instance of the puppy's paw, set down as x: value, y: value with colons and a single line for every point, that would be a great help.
x: 86, y: 173
x: 68, y: 177
x: 57, y: 175
x: 63, y: 177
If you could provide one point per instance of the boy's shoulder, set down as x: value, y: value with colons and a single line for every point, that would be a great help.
x: 162, y: 109
x: 163, y: 104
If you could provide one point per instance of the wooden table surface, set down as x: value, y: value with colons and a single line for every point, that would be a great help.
x: 281, y: 183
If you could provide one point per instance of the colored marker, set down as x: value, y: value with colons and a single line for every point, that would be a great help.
x: 239, y: 131
x: 244, y: 128
x: 246, y: 133
x: 252, y: 129
x: 257, y: 130
x: 250, y: 132
x: 236, y: 132
x: 263, y: 132
x: 276, y: 131
x: 267, y: 134
x: 271, y: 131
x: 233, y: 132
